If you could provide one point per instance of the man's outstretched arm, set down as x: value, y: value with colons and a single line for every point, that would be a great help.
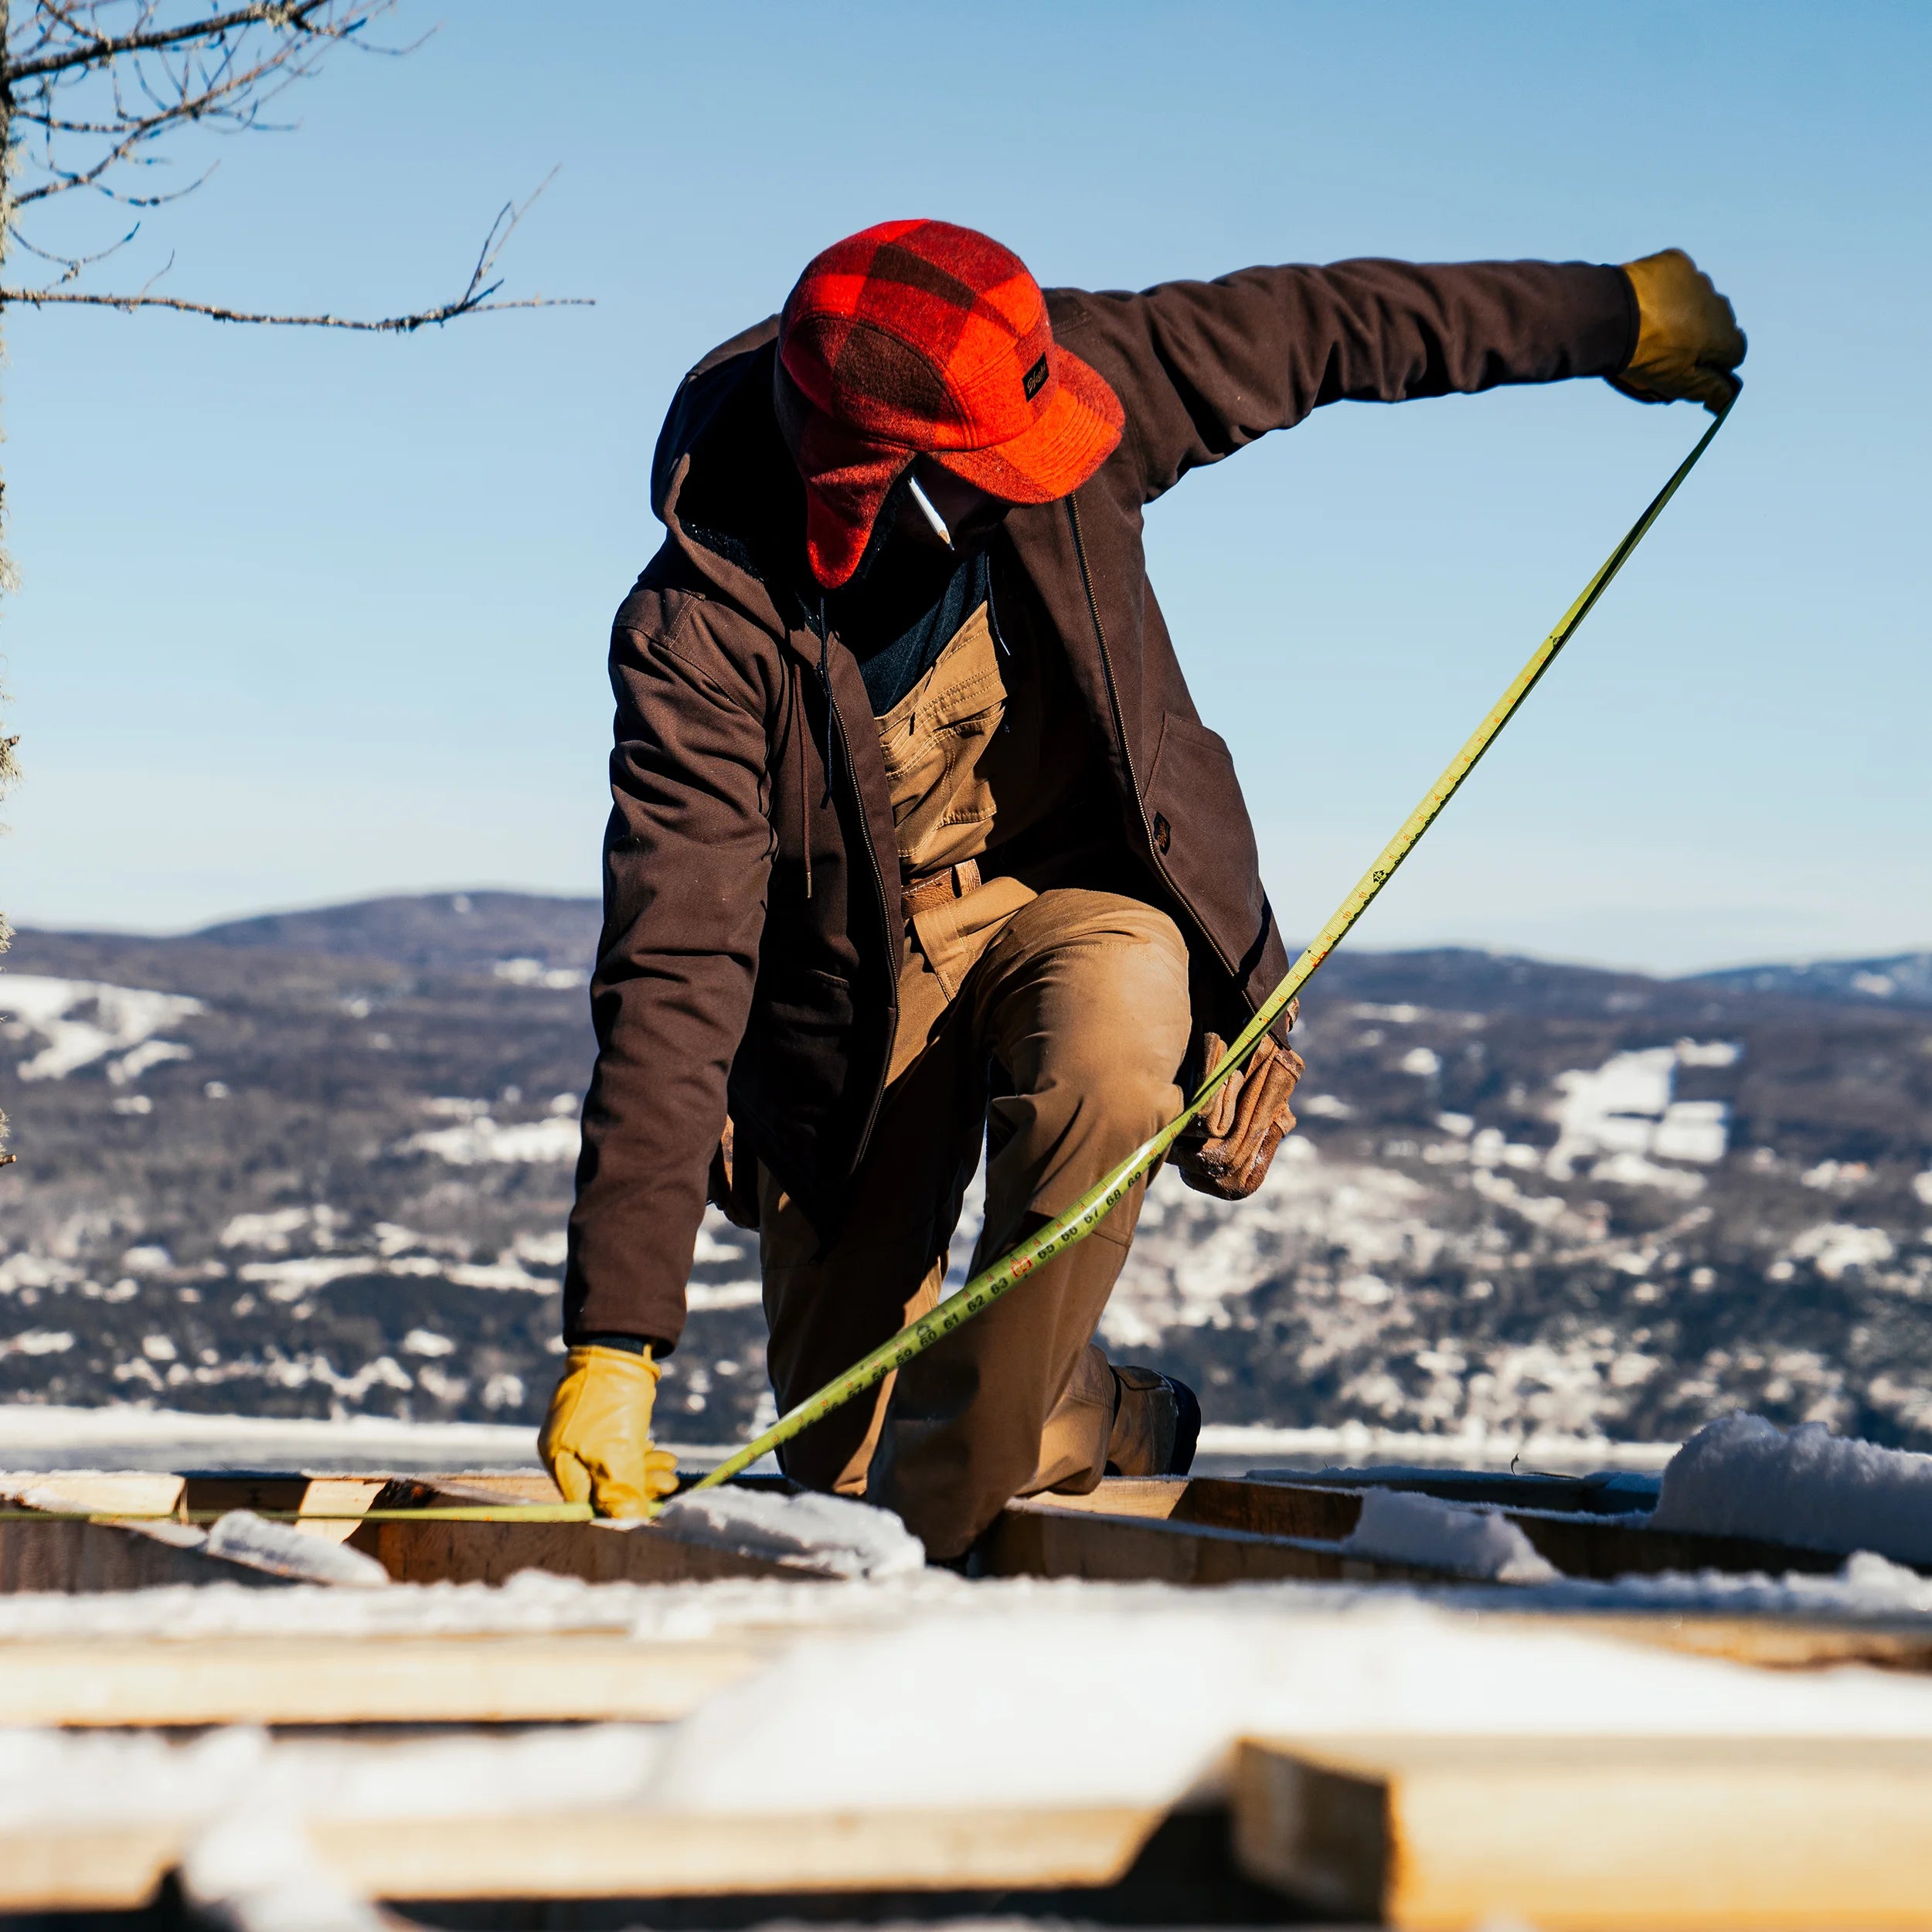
x: 1204, y: 368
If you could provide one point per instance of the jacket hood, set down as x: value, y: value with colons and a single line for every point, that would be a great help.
x: 725, y: 487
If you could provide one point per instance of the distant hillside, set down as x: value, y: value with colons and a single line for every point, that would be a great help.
x: 320, y: 1162
x: 1903, y: 980
x: 446, y: 932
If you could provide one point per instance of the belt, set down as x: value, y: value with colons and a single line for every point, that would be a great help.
x: 940, y: 888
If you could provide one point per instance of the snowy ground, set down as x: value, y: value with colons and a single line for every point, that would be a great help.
x: 36, y: 1438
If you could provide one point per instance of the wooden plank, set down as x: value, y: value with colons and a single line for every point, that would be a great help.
x: 275, y: 1493
x: 1039, y: 1538
x: 635, y: 1854
x: 134, y: 1493
x: 492, y: 1552
x: 1577, y: 1543
x: 98, y: 1868
x: 1769, y: 1642
x: 73, y: 1557
x: 370, y: 1680
x: 584, y: 1852
x: 1594, y: 1834
x: 1609, y: 1493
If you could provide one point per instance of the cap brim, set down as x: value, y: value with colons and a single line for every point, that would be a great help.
x: 1079, y: 428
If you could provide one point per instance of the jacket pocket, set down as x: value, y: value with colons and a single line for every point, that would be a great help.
x: 1202, y: 837
x: 803, y: 1001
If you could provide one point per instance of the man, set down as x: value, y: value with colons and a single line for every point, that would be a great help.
x: 918, y: 841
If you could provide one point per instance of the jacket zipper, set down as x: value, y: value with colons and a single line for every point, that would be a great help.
x: 1113, y: 694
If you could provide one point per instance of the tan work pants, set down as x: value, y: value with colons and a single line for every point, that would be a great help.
x: 1062, y: 1045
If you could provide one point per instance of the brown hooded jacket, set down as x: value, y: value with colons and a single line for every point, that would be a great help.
x: 753, y: 934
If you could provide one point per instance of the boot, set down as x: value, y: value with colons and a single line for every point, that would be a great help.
x: 1157, y: 1421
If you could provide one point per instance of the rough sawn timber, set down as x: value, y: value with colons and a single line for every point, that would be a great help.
x: 378, y: 1679
x: 1594, y: 1834
x: 1578, y: 1544
x: 492, y: 1552
x: 73, y: 1558
x: 586, y: 1852
x: 1042, y: 1538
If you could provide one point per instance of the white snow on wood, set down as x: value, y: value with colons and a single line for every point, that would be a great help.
x: 830, y: 1534
x: 1626, y: 1106
x: 1140, y: 1699
x: 1746, y: 1477
x: 84, y: 1020
x: 475, y: 1142
x: 242, y: 1537
x: 1399, y: 1526
x: 255, y: 1871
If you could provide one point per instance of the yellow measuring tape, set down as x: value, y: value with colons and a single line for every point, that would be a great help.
x: 1092, y: 1207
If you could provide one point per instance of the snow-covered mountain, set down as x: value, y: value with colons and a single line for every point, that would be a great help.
x: 319, y: 1163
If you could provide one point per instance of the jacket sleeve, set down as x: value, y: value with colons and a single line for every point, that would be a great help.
x: 687, y: 855
x: 1204, y: 368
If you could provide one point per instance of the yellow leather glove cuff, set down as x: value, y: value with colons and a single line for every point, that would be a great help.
x: 1688, y: 339
x: 596, y: 1439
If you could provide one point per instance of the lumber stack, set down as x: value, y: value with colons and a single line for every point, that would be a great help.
x: 1565, y: 1831
x: 1572, y: 1834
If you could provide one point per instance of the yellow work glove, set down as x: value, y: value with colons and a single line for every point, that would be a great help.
x: 1688, y: 339
x: 596, y: 1439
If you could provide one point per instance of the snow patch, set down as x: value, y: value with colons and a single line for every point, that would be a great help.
x: 533, y: 972
x: 84, y: 1020
x: 270, y: 1231
x: 1836, y: 1248
x: 37, y: 1341
x: 241, y: 1536
x: 474, y: 1142
x: 1626, y: 1106
x: 703, y: 1296
x: 1746, y: 1477
x: 1398, y: 1526
x: 830, y: 1534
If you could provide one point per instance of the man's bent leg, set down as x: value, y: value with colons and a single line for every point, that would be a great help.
x: 826, y: 1305
x: 1082, y: 1002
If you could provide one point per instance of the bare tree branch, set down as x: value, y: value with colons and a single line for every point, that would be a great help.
x: 291, y: 15
x: 143, y: 74
x: 473, y: 301
x: 387, y: 325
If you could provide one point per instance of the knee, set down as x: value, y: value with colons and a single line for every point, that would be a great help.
x: 1134, y: 1026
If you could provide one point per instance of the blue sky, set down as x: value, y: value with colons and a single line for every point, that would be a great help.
x: 310, y: 617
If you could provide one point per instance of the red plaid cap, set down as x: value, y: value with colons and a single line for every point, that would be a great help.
x: 918, y: 338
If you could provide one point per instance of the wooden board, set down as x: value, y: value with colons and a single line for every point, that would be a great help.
x: 1576, y: 1542
x: 1039, y: 1538
x: 1607, y: 1493
x: 492, y: 1552
x: 585, y: 1853
x: 71, y: 1557
x: 1594, y: 1834
x: 121, y: 1682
